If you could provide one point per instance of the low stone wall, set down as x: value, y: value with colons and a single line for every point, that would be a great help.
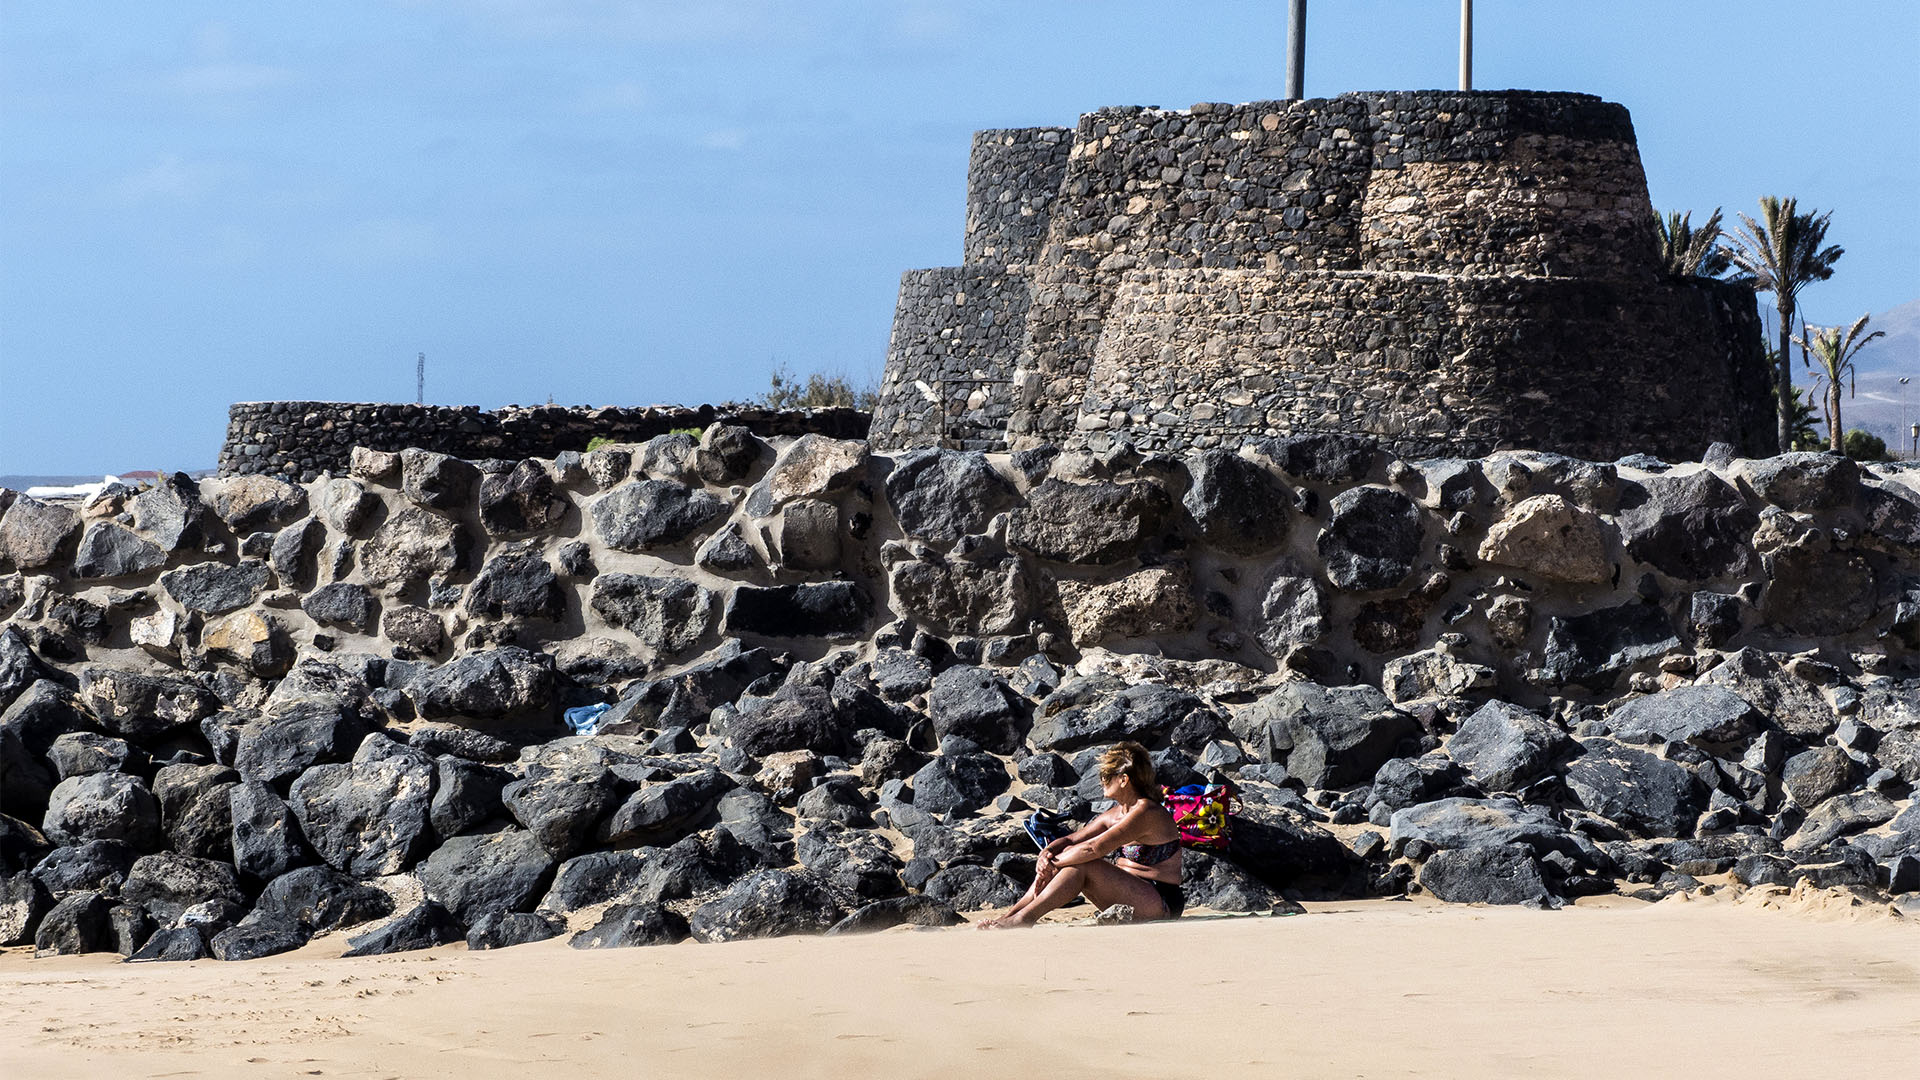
x: 299, y: 440
x: 830, y: 683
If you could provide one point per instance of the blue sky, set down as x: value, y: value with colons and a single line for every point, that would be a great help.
x: 627, y: 203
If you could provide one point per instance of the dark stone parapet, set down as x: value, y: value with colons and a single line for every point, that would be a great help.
x: 300, y: 440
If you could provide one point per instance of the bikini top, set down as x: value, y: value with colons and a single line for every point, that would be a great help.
x: 1149, y: 854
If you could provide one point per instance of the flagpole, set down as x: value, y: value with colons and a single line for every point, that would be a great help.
x: 1296, y: 50
x: 1466, y: 44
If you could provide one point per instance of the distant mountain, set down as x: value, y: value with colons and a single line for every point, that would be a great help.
x: 1881, y: 404
x: 22, y: 483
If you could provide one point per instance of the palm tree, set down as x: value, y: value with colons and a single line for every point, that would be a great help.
x: 1690, y: 252
x: 1835, y: 354
x: 1783, y: 253
x: 1801, y: 427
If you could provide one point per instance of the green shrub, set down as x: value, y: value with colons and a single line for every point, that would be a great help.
x: 819, y: 391
x: 597, y: 442
x: 1864, y: 446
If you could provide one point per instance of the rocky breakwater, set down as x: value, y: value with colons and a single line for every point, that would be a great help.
x: 239, y: 714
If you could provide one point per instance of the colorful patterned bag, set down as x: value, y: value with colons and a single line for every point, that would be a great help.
x: 1204, y: 815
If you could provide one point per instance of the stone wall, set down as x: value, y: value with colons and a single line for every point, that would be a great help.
x: 945, y: 383
x: 299, y: 440
x: 1013, y: 176
x: 826, y: 684
x: 1530, y: 200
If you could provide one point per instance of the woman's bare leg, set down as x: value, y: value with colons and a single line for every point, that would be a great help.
x: 1107, y: 885
x: 1019, y: 905
x: 1063, y: 886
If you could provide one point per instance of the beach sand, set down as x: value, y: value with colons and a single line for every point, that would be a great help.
x: 1365, y: 989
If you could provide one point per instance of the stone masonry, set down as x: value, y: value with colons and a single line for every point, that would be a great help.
x: 1450, y: 273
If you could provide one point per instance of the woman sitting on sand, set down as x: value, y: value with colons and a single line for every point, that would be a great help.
x: 1128, y: 855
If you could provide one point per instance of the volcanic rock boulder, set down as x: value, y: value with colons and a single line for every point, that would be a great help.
x: 214, y: 589
x: 977, y: 705
x: 829, y: 609
x: 103, y: 806
x: 1234, y: 504
x: 368, y: 817
x: 410, y: 546
x: 1636, y: 789
x: 1548, y: 537
x: 491, y: 683
x: 942, y: 495
x: 1486, y: 875
x: 34, y: 534
x: 487, y: 874
x: 1503, y: 747
x: 1372, y: 539
x: 770, y: 903
x: 1088, y: 524
x: 647, y: 514
x: 266, y: 841
x: 524, y: 500
x: 668, y: 615
x: 626, y: 926
x: 1692, y: 528
x: 1326, y: 736
x: 1703, y: 715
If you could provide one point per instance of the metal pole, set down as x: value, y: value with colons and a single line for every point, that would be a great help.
x: 1466, y: 44
x: 1296, y: 50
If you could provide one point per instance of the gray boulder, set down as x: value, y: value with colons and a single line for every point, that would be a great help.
x: 1637, y: 790
x: 256, y: 503
x: 1144, y: 712
x: 82, y: 753
x: 896, y: 911
x: 942, y: 495
x: 1816, y: 591
x: 1790, y: 702
x: 1841, y: 816
x: 1693, y: 528
x: 626, y: 926
x: 140, y: 706
x: 81, y: 923
x: 341, y: 604
x: 276, y: 748
x: 487, y: 874
x: 266, y: 839
x: 1703, y: 715
x: 466, y: 795
x: 346, y: 505
x: 317, y: 899
x: 977, y: 705
x: 1372, y: 539
x: 563, y: 807
x: 254, y: 938
x: 595, y: 878
x: 19, y: 669
x: 648, y: 514
x: 1326, y: 459
x: 166, y: 884
x: 1293, y: 610
x: 94, y: 866
x: 23, y: 902
x: 660, y: 814
x: 668, y: 615
x: 1595, y: 649
x: 1811, y: 777
x: 423, y: 927
x: 1088, y: 524
x: 507, y: 929
x: 1234, y: 504
x: 491, y: 683
x: 958, y: 783
x: 769, y: 903
x: 1446, y: 824
x: 196, y: 808
x: 368, y: 817
x: 292, y: 554
x: 521, y: 501
x: 797, y: 718
x: 517, y: 584
x: 103, y: 806
x: 436, y: 480
x: 856, y: 861
x: 213, y: 589
x: 1486, y: 875
x: 972, y: 888
x: 170, y: 512
x: 809, y: 467
x: 985, y: 593
x: 110, y: 550
x: 1326, y: 736
x: 34, y: 534
x: 1805, y: 483
x: 1504, y: 747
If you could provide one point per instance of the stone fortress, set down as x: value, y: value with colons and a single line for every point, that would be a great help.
x: 1449, y: 272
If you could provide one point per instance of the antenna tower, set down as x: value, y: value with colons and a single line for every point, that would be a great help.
x: 420, y: 380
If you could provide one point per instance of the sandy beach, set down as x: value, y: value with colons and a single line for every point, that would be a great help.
x: 1369, y: 989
